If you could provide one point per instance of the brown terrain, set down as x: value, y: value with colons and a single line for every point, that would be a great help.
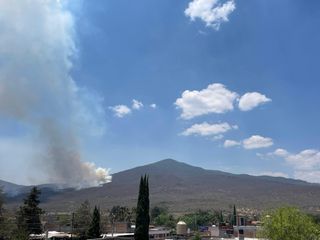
x: 182, y: 188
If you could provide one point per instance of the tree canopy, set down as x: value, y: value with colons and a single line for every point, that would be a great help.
x: 94, y: 229
x: 28, y: 216
x: 82, y: 219
x: 120, y: 214
x: 289, y: 223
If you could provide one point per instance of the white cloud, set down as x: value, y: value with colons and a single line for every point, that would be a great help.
x: 120, y: 110
x: 216, y: 98
x: 251, y: 100
x: 305, y: 164
x: 153, y: 105
x: 274, y: 174
x: 136, y: 104
x: 280, y: 152
x: 206, y: 129
x: 212, y: 12
x: 312, y: 176
x: 257, y: 141
x: 306, y: 160
x: 231, y: 143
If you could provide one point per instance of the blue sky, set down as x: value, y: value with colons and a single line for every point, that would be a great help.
x: 235, y: 85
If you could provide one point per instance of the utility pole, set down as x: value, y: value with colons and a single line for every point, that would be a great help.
x: 112, y: 225
x: 72, y: 222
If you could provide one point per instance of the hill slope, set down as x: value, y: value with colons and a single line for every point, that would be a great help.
x: 182, y: 187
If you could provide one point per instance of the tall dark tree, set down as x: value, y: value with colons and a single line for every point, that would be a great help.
x: 221, y: 220
x: 94, y: 229
x: 28, y: 216
x: 142, y: 215
x: 234, y: 216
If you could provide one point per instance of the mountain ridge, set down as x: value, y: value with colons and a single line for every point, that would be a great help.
x: 182, y: 187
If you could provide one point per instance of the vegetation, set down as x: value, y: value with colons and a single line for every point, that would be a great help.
x: 156, y: 211
x: 161, y: 217
x: 82, y: 220
x: 281, y: 224
x: 289, y: 223
x: 234, y: 216
x: 120, y: 214
x: 94, y: 229
x: 201, y: 218
x: 28, y: 216
x: 1, y: 206
x: 142, y: 215
x: 8, y: 225
x: 196, y: 236
x: 2, y: 227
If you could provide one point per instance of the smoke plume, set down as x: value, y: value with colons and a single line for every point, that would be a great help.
x: 37, y: 45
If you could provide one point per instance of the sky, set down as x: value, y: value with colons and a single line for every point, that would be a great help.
x: 222, y: 84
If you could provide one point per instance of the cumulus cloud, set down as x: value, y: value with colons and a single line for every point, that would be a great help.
x: 280, y: 152
x: 206, y: 129
x: 216, y: 98
x: 257, y: 141
x: 212, y: 12
x: 153, y: 105
x: 251, y: 100
x: 136, y: 104
x: 36, y: 46
x: 231, y: 143
x: 306, y: 160
x: 120, y: 110
x: 306, y: 164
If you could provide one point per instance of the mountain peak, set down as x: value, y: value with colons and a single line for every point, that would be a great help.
x: 172, y: 164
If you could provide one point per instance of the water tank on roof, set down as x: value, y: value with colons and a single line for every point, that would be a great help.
x: 181, y: 228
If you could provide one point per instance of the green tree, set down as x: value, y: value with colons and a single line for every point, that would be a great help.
x: 156, y: 211
x: 82, y: 220
x: 289, y: 223
x: 142, y: 215
x: 234, y: 216
x: 28, y: 216
x: 166, y: 220
x: 200, y: 218
x: 196, y: 236
x: 120, y: 214
x: 8, y: 227
x: 94, y: 229
x: 221, y: 219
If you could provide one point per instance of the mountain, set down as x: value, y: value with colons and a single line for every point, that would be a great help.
x: 11, y: 189
x: 182, y: 188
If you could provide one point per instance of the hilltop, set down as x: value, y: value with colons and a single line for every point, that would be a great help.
x: 183, y: 187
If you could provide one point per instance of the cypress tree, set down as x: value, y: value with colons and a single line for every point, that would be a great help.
x: 94, y: 229
x: 234, y: 216
x: 142, y: 215
x: 221, y: 217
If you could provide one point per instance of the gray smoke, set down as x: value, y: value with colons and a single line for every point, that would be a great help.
x: 36, y: 89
